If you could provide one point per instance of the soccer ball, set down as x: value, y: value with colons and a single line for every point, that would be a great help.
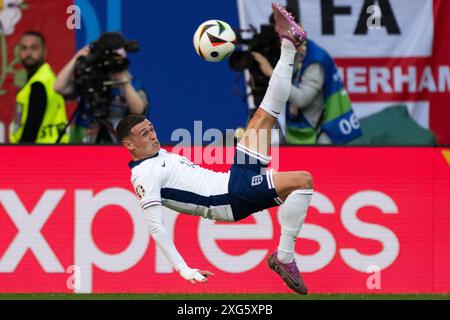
x: 214, y: 40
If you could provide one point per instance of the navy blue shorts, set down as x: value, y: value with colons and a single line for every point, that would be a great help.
x: 251, y: 188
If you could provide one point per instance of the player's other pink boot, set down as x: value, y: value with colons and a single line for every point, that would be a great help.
x: 288, y: 272
x: 286, y: 27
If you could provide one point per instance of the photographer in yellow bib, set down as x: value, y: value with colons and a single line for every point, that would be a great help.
x: 40, y: 113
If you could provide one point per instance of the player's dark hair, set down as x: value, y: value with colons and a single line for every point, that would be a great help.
x: 35, y: 34
x: 126, y: 124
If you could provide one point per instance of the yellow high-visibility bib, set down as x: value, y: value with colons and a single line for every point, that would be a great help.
x: 55, y: 118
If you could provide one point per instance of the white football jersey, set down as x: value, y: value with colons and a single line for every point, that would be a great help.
x: 175, y: 182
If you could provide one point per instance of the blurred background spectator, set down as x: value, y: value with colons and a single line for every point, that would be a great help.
x: 40, y: 114
x: 383, y: 66
x: 98, y: 77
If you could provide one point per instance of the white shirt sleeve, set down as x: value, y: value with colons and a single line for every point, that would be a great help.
x: 148, y: 189
x: 153, y: 215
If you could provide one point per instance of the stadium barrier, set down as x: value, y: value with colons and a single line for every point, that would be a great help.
x: 378, y: 223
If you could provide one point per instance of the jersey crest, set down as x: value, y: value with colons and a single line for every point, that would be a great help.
x: 257, y: 180
x: 140, y: 191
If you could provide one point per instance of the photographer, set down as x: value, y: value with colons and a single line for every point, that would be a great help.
x: 98, y: 76
x: 319, y: 109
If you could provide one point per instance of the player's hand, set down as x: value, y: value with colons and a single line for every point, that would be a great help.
x: 302, y: 51
x: 122, y: 78
x: 264, y: 64
x: 201, y: 276
x: 195, y: 275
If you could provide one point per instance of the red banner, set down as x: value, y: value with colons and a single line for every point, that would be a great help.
x: 378, y: 223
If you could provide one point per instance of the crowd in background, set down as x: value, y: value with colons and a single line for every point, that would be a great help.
x: 319, y: 110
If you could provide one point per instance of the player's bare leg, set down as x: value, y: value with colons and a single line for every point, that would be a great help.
x: 288, y: 182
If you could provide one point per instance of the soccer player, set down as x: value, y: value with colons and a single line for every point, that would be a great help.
x: 163, y: 178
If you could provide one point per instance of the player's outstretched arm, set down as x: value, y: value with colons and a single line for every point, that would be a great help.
x: 158, y: 232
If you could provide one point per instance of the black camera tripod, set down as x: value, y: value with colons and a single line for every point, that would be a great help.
x: 106, y: 129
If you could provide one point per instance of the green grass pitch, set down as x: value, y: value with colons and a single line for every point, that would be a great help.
x: 223, y: 297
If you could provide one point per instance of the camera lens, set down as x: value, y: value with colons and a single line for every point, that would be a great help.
x: 241, y: 60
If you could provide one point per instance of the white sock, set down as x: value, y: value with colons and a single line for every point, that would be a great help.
x: 292, y: 215
x: 279, y: 89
